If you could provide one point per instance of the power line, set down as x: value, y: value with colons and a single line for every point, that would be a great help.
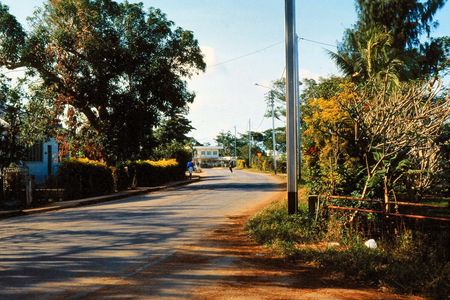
x: 262, y: 120
x: 268, y: 47
x: 245, y: 55
x: 317, y: 42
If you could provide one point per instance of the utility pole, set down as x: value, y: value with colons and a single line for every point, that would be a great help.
x: 291, y: 105
x: 273, y: 134
x: 271, y: 98
x: 299, y: 148
x: 249, y: 143
x: 235, y: 142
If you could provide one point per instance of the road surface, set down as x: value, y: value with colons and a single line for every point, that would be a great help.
x: 75, y: 253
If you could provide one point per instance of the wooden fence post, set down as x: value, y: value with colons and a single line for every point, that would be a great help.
x: 313, y: 202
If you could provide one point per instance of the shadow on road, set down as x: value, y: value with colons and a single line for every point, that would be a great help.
x: 229, y: 265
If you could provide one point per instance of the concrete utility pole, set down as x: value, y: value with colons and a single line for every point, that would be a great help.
x: 299, y: 148
x: 235, y: 142
x: 273, y: 125
x: 249, y: 143
x: 273, y: 134
x: 291, y: 105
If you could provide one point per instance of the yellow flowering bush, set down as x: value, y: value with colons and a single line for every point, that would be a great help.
x: 151, y: 173
x: 81, y: 178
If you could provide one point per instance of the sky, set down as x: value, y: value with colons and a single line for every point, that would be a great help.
x: 243, y: 44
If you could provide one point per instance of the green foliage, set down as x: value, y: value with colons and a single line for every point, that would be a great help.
x: 12, y: 39
x: 329, y: 153
x: 11, y: 116
x: 274, y: 226
x: 83, y: 178
x: 227, y: 141
x: 112, y: 66
x: 152, y: 173
x: 389, y: 36
x: 173, y: 129
x: 410, y: 262
x: 177, y: 151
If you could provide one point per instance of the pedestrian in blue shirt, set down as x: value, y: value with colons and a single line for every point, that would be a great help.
x: 190, y: 167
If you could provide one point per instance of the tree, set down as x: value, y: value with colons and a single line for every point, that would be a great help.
x: 401, y: 26
x: 11, y: 116
x: 226, y: 140
x: 280, y: 139
x: 397, y: 123
x: 173, y: 128
x: 373, y: 56
x: 330, y: 162
x: 277, y: 93
x: 119, y: 67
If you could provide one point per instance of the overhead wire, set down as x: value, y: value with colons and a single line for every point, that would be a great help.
x: 268, y: 47
x: 317, y: 42
x: 247, y: 54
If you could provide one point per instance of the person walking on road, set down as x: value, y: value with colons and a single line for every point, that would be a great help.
x: 230, y: 166
x: 190, y: 167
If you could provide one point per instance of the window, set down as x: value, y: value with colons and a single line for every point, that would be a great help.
x: 35, y: 153
x: 215, y: 153
x: 203, y: 153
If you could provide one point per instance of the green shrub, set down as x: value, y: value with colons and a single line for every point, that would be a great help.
x: 152, y: 173
x: 274, y: 226
x: 410, y: 261
x: 83, y: 178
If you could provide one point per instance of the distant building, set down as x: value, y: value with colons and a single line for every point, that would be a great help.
x: 207, y: 156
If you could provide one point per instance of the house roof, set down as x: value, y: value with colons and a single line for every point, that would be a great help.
x: 208, y: 147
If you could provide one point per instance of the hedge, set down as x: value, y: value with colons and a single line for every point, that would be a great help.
x: 151, y: 173
x: 81, y: 178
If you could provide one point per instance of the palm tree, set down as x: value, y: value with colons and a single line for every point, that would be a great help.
x: 374, y: 56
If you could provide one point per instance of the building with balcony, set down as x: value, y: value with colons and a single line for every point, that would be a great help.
x: 207, y: 156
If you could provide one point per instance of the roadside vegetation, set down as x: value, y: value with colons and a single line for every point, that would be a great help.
x: 107, y: 80
x: 378, y: 137
x: 409, y: 261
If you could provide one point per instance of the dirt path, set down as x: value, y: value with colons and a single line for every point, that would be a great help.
x: 227, y: 264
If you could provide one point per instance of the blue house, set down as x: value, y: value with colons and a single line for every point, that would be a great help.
x: 42, y: 160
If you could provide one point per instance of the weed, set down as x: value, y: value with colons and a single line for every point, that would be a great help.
x: 410, y: 261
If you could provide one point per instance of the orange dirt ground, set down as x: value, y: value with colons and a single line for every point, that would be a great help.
x: 228, y: 264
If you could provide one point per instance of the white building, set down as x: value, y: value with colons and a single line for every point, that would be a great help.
x: 207, y: 156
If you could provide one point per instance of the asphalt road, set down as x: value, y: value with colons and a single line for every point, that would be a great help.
x: 74, y: 252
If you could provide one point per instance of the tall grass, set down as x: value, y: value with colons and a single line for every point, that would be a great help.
x: 409, y: 261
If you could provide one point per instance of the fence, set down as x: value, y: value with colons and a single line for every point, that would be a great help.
x: 436, y: 215
x: 18, y: 190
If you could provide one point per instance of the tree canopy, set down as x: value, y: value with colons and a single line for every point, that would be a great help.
x: 117, y: 68
x: 389, y: 36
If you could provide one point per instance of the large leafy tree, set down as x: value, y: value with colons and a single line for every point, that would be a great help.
x: 393, y: 36
x: 11, y: 117
x: 118, y: 66
x: 227, y: 141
